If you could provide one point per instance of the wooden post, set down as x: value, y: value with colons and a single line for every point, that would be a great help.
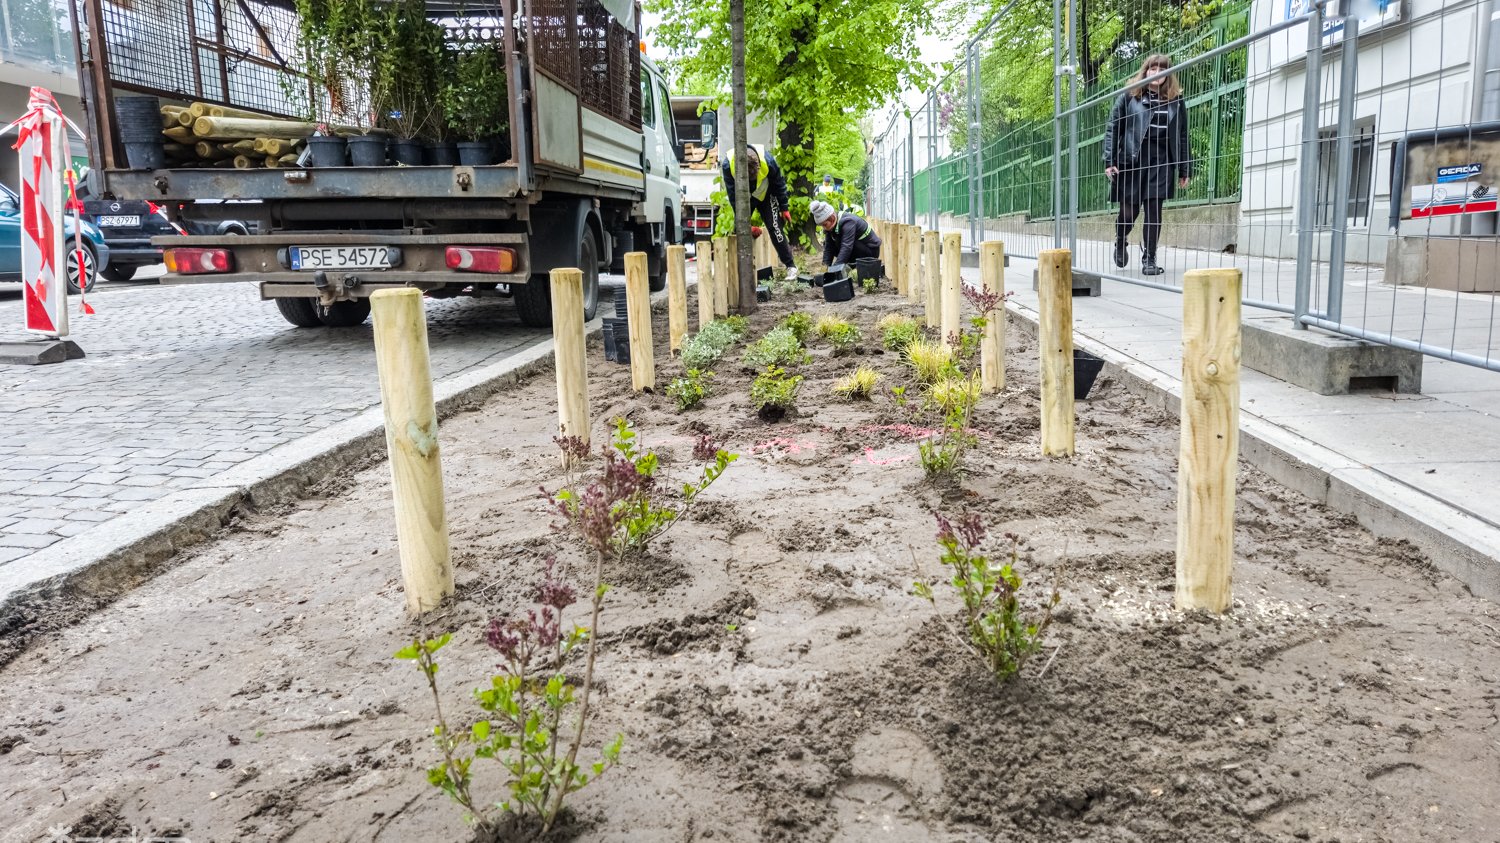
x: 1055, y: 341
x: 732, y: 273
x: 992, y: 345
x: 638, y: 307
x: 677, y: 308
x: 897, y: 265
x: 932, y: 279
x: 706, y: 286
x: 915, y: 291
x: 411, y: 441
x: 722, y: 259
x: 567, y: 343
x: 952, y: 292
x: 1208, y: 458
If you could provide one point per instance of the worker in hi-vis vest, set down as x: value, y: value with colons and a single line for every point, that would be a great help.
x: 848, y: 237
x: 767, y: 197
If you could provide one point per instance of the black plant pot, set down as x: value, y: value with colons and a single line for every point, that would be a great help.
x: 1086, y: 368
x: 763, y: 293
x: 609, y: 339
x: 840, y: 290
x: 367, y: 151
x: 869, y: 268
x: 442, y: 154
x: 328, y: 150
x: 406, y: 151
x: 476, y: 153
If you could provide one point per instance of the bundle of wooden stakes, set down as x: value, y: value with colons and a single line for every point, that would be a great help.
x: 205, y: 135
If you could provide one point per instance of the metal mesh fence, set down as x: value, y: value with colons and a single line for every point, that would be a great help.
x: 1341, y: 156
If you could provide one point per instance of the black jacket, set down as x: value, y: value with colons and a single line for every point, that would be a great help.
x: 839, y: 244
x: 773, y: 175
x: 1126, y: 131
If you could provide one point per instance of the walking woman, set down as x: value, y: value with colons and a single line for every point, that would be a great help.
x: 1146, y: 157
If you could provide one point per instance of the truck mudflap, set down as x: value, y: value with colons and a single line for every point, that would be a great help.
x: 344, y: 265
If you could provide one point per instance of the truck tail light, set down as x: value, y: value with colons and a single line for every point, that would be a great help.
x: 703, y: 223
x: 492, y: 259
x: 198, y: 261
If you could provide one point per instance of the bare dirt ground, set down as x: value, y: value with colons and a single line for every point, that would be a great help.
x: 773, y: 675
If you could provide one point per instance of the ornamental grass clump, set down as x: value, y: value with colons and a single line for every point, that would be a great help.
x: 857, y: 385
x: 995, y: 630
x: 929, y: 360
x: 839, y: 333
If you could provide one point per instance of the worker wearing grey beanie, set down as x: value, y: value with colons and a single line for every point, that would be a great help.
x: 847, y: 237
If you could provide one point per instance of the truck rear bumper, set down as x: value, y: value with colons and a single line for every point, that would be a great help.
x: 497, y: 182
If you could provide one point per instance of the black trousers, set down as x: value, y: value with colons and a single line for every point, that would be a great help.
x: 1150, y: 226
x: 770, y: 214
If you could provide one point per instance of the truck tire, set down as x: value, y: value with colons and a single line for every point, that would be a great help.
x: 300, y: 312
x: 344, y: 314
x: 534, y: 298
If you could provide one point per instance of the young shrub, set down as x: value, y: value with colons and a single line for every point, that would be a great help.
x: 930, y: 360
x: 953, y: 392
x: 844, y: 339
x: 994, y: 628
x: 828, y: 324
x: 780, y: 347
x: 690, y: 389
x: 774, y: 392
x: 897, y: 332
x: 860, y: 384
x: 954, y: 396
x: 703, y: 349
x: 798, y: 322
x: 738, y: 325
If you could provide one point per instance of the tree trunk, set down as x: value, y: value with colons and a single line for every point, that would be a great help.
x: 798, y: 135
x: 741, y: 167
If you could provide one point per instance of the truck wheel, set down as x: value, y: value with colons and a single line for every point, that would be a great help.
x: 300, y: 312
x: 534, y: 299
x: 345, y: 314
x: 120, y: 273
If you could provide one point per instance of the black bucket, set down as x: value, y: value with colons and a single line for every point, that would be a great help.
x: 840, y: 290
x: 1086, y: 368
x: 869, y: 268
x: 442, y: 154
x: 406, y: 151
x: 145, y: 155
x: 328, y: 150
x: 367, y: 151
x: 476, y: 153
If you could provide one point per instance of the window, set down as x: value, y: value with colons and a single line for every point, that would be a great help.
x: 1361, y: 173
x: 648, y: 102
x: 666, y: 110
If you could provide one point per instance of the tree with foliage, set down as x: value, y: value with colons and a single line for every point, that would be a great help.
x: 812, y: 63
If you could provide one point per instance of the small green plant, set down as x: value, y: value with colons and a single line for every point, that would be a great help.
x: 859, y: 384
x: 774, y: 392
x: 869, y: 285
x: 898, y: 332
x: 929, y: 360
x: 829, y: 324
x: 690, y: 389
x: 739, y: 325
x: 995, y: 630
x: 703, y: 349
x: 844, y: 339
x: 525, y: 703
x: 780, y: 347
x: 798, y: 322
x: 954, y: 396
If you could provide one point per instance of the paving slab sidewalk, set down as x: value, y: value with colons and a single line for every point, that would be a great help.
x: 1419, y: 467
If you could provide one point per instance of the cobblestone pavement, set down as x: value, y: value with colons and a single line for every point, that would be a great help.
x: 181, y: 384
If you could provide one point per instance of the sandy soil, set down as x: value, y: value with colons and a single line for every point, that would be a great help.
x: 774, y: 676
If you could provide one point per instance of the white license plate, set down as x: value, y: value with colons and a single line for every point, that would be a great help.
x: 312, y: 258
x: 132, y: 221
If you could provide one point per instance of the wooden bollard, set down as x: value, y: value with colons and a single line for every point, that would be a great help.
x: 706, y: 287
x: 898, y: 257
x: 932, y: 275
x: 731, y: 285
x: 952, y: 291
x: 721, y: 277
x: 638, y: 307
x: 992, y: 345
x: 915, y: 290
x: 567, y: 343
x: 677, y: 308
x: 1208, y: 456
x: 411, y: 441
x: 1055, y: 341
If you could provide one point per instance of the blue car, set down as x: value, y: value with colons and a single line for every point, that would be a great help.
x: 95, y: 252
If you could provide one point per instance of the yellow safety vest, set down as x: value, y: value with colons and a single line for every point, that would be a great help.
x: 763, y: 181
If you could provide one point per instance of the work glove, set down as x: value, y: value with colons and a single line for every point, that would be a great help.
x: 787, y: 217
x: 755, y: 231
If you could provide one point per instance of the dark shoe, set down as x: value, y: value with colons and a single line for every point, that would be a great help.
x: 1149, y: 267
x: 1122, y: 254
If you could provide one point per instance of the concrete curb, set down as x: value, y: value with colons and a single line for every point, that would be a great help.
x: 1456, y: 541
x: 121, y: 554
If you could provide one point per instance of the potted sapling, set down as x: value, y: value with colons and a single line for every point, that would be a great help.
x: 474, y: 102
